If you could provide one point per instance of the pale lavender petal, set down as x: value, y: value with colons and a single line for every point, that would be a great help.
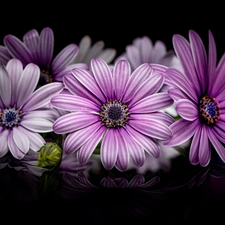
x: 200, y: 59
x: 21, y: 140
x: 183, y: 83
x: 109, y: 149
x: 15, y: 151
x: 15, y: 69
x: 87, y: 149
x: 94, y: 51
x: 204, y: 153
x: 88, y: 81
x: 136, y: 152
x: 216, y: 144
x: 27, y: 83
x: 150, y: 86
x: 46, y: 47
x: 152, y: 103
x: 103, y: 76
x: 36, y: 140
x: 75, y: 87
x: 108, y: 54
x: 123, y: 152
x: 183, y: 51
x: 64, y: 58
x: 138, y: 76
x: 41, y: 97
x: 73, y: 103
x: 187, y: 109
x: 147, y: 143
x: 4, y: 142
x: 5, y: 86
x: 18, y: 49
x: 146, y: 50
x: 153, y: 128
x: 121, y: 74
x: 76, y: 139
x: 4, y: 55
x: 39, y: 125
x: 133, y: 55
x: 31, y: 40
x: 74, y: 121
x: 158, y: 51
x: 182, y: 130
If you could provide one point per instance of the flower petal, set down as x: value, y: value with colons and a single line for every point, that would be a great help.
x: 4, y: 142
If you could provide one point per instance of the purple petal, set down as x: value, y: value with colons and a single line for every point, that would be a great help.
x: 136, y: 152
x: 187, y: 109
x: 103, y: 76
x: 152, y: 128
x: 18, y: 49
x: 73, y: 103
x: 15, y: 69
x: 133, y: 55
x: 46, y: 47
x: 74, y: 121
x: 137, y: 180
x: 109, y: 149
x: 76, y: 139
x: 123, y: 152
x: 150, y: 86
x: 27, y: 83
x: 41, y: 97
x: 4, y: 55
x: 64, y: 58
x: 87, y: 80
x: 152, y: 103
x: 182, y: 131
x: 107, y: 182
x: 176, y: 94
x: 121, y: 74
x: 5, y: 86
x: 200, y: 59
x: 31, y: 40
x: 148, y: 144
x: 87, y: 149
x: 3, y: 142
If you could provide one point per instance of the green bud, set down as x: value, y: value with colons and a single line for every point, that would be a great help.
x: 49, y: 155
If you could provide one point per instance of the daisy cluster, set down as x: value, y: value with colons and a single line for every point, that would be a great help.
x: 138, y: 109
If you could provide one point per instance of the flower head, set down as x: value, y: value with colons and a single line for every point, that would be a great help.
x: 199, y: 94
x: 116, y: 108
x: 39, y: 49
x: 24, y: 111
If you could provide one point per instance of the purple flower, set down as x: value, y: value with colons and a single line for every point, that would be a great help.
x: 115, y: 108
x: 38, y: 49
x: 199, y: 94
x: 24, y: 113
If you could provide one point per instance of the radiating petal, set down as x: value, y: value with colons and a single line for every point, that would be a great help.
x: 133, y: 55
x: 73, y: 103
x: 41, y: 97
x: 4, y: 142
x: 108, y: 54
x: 4, y: 55
x: 109, y: 149
x: 76, y: 139
x: 64, y: 58
x: 194, y: 147
x: 177, y: 94
x: 74, y: 121
x: 87, y: 149
x: 153, y: 128
x: 27, y: 83
x: 187, y: 109
x: 152, y: 103
x: 182, y: 130
x: 103, y: 76
x: 107, y: 182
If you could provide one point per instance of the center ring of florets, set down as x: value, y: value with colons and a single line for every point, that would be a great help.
x: 209, y: 110
x: 46, y: 77
x: 10, y: 117
x: 114, y: 114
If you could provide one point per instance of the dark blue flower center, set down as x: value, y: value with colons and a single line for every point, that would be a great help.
x: 114, y: 114
x: 10, y: 117
x: 45, y: 77
x: 209, y: 110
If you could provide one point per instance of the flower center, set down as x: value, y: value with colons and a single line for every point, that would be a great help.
x: 10, y: 117
x: 114, y: 114
x: 209, y: 110
x: 45, y: 77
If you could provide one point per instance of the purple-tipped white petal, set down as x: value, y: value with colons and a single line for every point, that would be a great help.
x: 109, y: 148
x: 74, y: 121
x: 41, y: 97
x: 187, y: 109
